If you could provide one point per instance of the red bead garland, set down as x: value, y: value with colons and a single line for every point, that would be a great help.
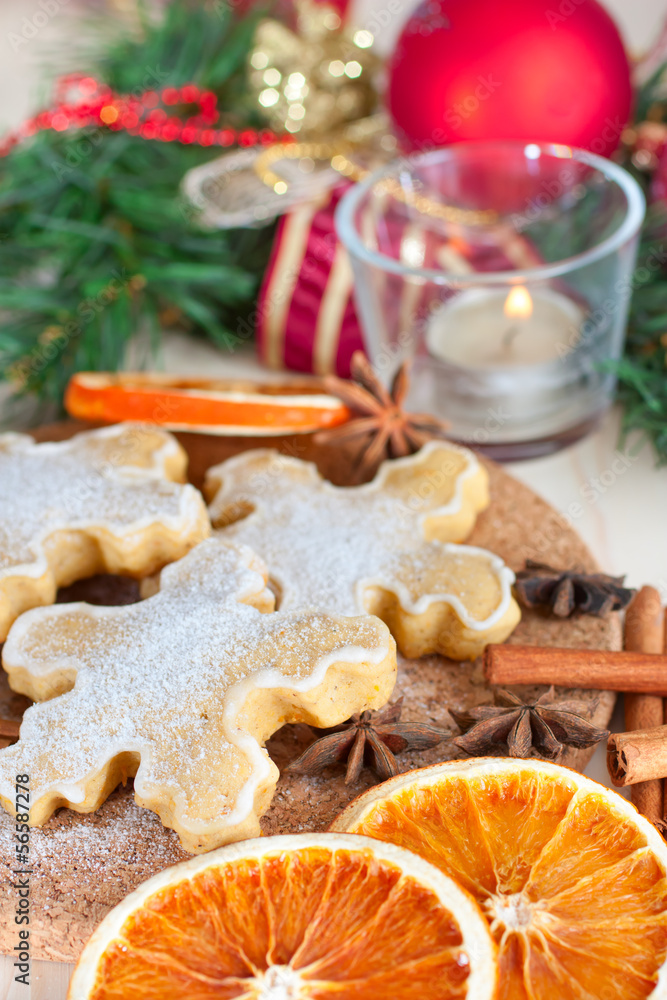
x: 83, y: 102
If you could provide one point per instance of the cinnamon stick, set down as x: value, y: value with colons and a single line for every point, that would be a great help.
x: 582, y: 668
x: 644, y: 633
x: 638, y: 757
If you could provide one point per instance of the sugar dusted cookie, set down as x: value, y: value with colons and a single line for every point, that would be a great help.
x: 102, y: 501
x: 384, y: 548
x: 182, y: 689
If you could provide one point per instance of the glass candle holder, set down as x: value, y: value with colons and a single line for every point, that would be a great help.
x: 505, y: 271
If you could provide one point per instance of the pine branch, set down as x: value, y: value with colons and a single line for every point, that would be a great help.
x: 642, y: 372
x: 95, y: 242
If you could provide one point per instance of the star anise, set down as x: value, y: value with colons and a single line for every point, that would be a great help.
x: 545, y: 726
x: 381, y: 428
x: 567, y: 591
x: 371, y: 738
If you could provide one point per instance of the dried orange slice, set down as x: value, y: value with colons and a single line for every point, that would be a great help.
x: 570, y: 876
x: 304, y: 917
x: 208, y: 406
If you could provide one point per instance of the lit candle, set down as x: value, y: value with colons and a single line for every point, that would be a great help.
x: 504, y: 360
x: 484, y: 328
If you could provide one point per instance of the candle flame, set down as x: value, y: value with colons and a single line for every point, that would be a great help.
x: 518, y: 304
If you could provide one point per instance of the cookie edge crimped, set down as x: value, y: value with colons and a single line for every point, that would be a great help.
x: 214, y: 484
x: 214, y: 480
x: 255, y: 795
x: 470, y: 641
x: 474, y: 474
x: 190, y: 525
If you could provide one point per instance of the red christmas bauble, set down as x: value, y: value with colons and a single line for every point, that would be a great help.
x: 529, y: 70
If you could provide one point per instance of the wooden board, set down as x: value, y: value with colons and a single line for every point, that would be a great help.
x: 84, y: 865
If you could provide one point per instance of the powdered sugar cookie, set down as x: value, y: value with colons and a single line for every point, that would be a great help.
x: 182, y: 689
x: 102, y: 501
x: 384, y: 548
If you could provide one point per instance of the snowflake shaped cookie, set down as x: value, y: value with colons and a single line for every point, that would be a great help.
x: 102, y: 501
x: 182, y: 689
x: 384, y: 548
